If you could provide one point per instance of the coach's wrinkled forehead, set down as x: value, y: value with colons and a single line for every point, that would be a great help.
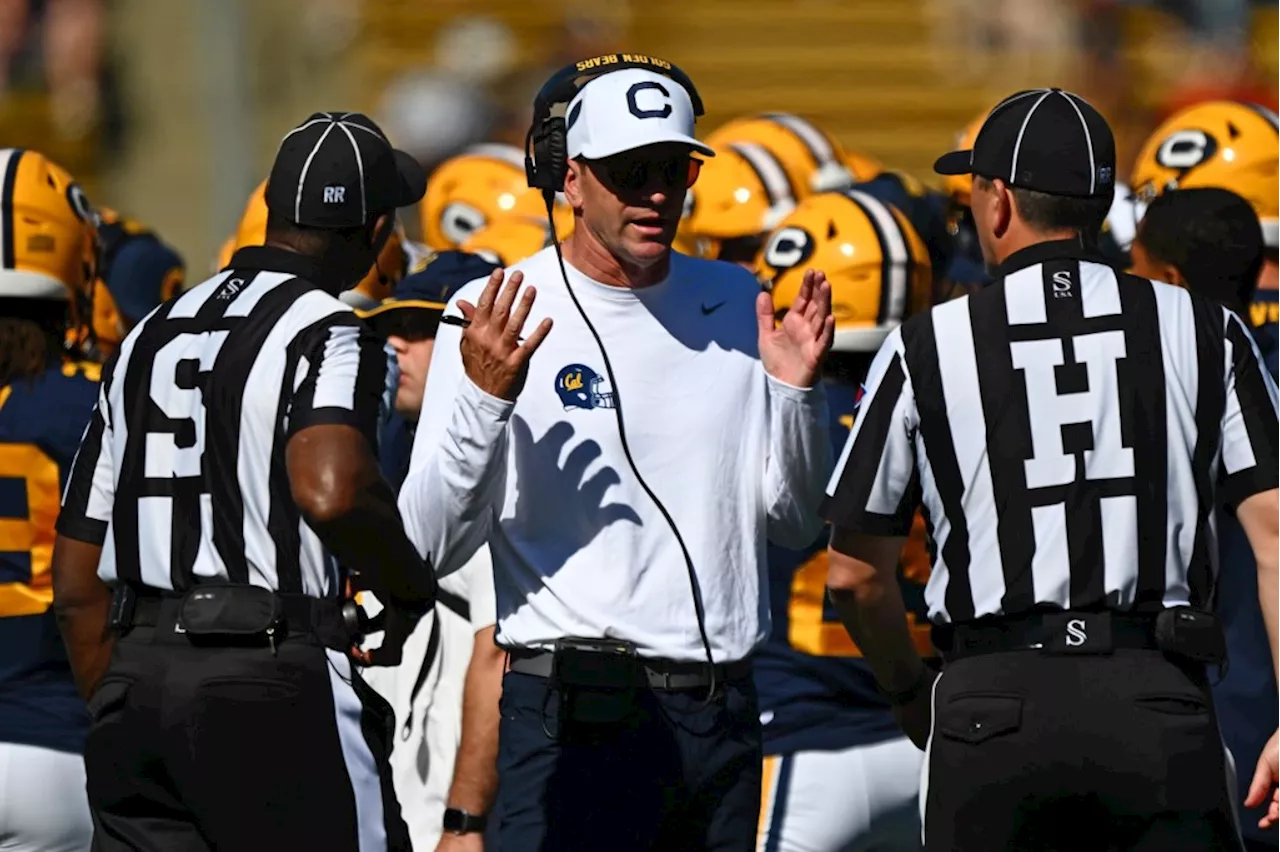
x: 629, y: 109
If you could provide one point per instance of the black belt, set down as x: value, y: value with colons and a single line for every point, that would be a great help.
x: 1049, y: 632
x: 651, y: 672
x: 302, y: 614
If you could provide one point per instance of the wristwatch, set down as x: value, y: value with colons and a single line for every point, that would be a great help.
x: 458, y: 821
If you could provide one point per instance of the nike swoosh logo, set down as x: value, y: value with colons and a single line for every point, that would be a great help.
x: 712, y: 309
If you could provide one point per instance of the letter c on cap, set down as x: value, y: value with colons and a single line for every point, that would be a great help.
x: 635, y: 107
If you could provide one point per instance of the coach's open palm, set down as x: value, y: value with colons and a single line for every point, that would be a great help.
x: 792, y: 351
x: 492, y: 354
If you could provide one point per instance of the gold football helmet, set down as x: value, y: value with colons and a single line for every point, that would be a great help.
x: 225, y: 251
x: 1221, y: 144
x: 815, y: 161
x: 50, y: 230
x: 510, y: 240
x: 877, y: 264
x: 476, y: 188
x: 740, y: 195
x: 50, y: 245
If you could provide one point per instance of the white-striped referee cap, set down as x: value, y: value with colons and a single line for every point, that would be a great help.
x: 338, y: 170
x: 1046, y: 140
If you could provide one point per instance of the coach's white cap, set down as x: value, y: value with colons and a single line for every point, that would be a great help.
x: 629, y: 109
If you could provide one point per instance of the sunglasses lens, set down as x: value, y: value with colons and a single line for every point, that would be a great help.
x: 695, y: 168
x: 635, y: 175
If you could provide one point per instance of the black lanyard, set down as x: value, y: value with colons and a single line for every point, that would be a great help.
x: 462, y: 609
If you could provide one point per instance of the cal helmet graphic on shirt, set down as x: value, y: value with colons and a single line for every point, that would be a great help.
x: 579, y: 387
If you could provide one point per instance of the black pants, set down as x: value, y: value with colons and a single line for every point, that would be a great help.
x: 668, y: 774
x: 201, y: 748
x: 1038, y: 752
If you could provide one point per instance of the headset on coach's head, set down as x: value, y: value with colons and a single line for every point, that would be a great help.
x: 546, y: 161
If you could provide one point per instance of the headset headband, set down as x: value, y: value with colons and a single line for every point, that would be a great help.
x: 564, y: 84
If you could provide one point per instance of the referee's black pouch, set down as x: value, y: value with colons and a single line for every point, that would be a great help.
x: 1191, y: 633
x: 229, y: 610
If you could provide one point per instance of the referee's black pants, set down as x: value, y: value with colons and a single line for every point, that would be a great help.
x: 1100, y: 752
x: 194, y: 748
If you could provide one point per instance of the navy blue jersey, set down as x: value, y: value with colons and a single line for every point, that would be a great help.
x: 816, y: 693
x: 966, y: 271
x: 395, y: 446
x: 1265, y: 314
x: 41, y: 422
x: 1246, y: 697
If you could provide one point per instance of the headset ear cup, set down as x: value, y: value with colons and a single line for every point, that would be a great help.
x: 549, y: 153
x: 557, y: 148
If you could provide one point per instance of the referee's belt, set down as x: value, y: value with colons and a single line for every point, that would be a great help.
x: 137, y: 606
x: 1067, y: 632
x: 651, y: 672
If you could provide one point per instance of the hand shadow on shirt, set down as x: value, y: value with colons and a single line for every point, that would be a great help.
x: 561, y: 527
x: 725, y: 319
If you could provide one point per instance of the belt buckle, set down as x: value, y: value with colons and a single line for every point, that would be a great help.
x: 1076, y: 633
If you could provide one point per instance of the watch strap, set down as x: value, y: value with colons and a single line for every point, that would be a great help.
x: 458, y: 821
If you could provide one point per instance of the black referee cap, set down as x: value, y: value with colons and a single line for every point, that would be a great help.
x: 338, y: 170
x: 1046, y: 140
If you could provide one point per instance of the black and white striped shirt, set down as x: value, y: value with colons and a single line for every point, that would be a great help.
x: 181, y: 472
x: 1068, y: 431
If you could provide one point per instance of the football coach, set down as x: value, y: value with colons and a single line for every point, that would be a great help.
x: 626, y: 467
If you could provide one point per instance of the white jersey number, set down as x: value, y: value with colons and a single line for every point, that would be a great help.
x: 1049, y: 411
x: 175, y: 390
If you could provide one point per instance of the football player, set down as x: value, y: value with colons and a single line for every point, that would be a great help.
x: 1225, y: 144
x: 1233, y: 146
x: 815, y: 161
x: 139, y: 272
x: 478, y: 187
x: 398, y: 255
x: 739, y: 196
x: 47, y: 257
x: 839, y: 775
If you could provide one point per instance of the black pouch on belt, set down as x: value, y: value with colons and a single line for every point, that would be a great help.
x: 1193, y: 634
x: 230, y: 611
x: 597, y: 679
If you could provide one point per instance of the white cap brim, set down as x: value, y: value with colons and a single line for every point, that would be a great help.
x: 600, y: 151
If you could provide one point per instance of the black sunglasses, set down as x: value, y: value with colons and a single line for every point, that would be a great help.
x: 631, y: 174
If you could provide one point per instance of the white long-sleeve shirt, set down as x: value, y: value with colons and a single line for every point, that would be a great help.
x: 578, y: 547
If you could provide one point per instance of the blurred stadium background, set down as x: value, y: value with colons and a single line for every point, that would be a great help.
x: 171, y: 110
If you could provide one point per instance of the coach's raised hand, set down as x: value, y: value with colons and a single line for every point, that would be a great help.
x: 492, y: 354
x: 792, y: 351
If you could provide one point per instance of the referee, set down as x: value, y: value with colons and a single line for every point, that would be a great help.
x: 228, y: 471
x: 1069, y: 430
